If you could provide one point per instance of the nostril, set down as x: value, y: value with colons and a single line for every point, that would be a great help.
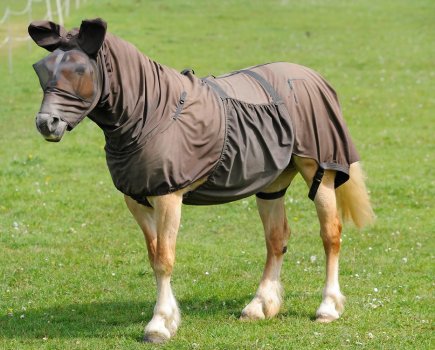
x: 46, y: 123
x: 52, y: 123
x: 41, y: 123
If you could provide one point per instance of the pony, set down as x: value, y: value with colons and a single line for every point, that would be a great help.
x: 174, y: 138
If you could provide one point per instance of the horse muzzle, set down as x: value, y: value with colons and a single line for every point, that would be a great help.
x: 50, y: 126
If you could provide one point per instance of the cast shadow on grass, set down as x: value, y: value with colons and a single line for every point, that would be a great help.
x: 107, y: 319
x: 99, y: 319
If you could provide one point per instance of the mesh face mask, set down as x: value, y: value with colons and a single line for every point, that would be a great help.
x: 70, y: 83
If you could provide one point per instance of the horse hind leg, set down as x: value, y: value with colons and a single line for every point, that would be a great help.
x: 330, y: 231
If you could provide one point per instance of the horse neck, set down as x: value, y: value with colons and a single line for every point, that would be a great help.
x: 132, y: 84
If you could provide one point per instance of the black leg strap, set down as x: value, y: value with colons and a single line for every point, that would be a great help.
x: 271, y: 196
x: 144, y: 201
x: 316, y: 183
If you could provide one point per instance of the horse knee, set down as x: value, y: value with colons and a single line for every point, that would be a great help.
x: 163, y: 262
x: 163, y: 266
x: 277, y: 238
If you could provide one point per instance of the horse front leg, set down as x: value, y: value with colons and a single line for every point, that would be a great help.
x: 160, y: 226
x: 267, y: 300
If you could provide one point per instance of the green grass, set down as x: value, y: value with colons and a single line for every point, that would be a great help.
x: 73, y: 267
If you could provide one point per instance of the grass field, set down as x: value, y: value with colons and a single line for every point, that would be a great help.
x: 73, y: 267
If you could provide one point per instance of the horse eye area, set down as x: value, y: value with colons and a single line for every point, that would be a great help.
x: 80, y: 70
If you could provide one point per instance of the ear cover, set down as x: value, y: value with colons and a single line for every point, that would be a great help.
x: 46, y: 34
x: 91, y: 35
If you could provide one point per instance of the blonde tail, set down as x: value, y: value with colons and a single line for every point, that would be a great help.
x: 353, y: 201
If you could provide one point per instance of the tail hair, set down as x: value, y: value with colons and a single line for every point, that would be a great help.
x: 353, y: 200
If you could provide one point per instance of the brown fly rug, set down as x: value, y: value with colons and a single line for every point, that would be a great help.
x: 165, y: 130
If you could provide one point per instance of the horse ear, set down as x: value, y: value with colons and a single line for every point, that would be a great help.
x: 91, y: 35
x: 46, y: 34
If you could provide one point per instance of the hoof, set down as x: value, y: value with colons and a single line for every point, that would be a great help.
x: 253, y: 311
x: 331, y: 307
x: 163, y: 326
x: 245, y: 316
x: 327, y: 312
x: 266, y: 303
x: 326, y: 318
x: 156, y: 337
x: 156, y: 332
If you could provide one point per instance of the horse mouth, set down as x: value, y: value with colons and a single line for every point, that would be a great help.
x: 51, y: 127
